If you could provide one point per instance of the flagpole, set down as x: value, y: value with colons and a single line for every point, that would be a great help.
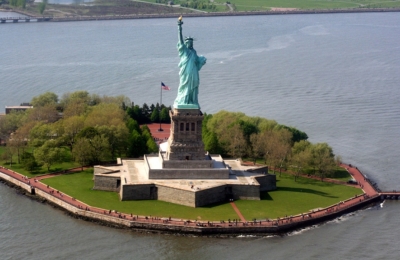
x: 159, y: 109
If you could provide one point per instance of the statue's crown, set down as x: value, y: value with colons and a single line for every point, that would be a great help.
x: 189, y: 39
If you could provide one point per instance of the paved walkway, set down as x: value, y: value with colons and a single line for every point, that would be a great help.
x: 237, y: 211
x: 362, y: 181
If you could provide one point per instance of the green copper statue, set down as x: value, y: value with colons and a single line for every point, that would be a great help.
x: 189, y: 65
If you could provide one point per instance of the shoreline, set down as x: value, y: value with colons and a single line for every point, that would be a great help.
x: 144, y: 224
x: 213, y: 14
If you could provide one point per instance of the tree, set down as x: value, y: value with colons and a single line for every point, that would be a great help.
x: 116, y: 136
x: 323, y: 159
x: 17, y: 142
x: 136, y: 145
x: 257, y: 146
x: 100, y: 149
x: 88, y: 133
x: 248, y: 128
x: 72, y: 126
x: 82, y: 151
x: 48, y: 98
x: 48, y: 154
x: 300, y: 146
x: 46, y: 113
x: 41, y: 7
x: 297, y: 135
x: 96, y: 144
x: 29, y: 163
x: 136, y: 114
x: 8, y: 154
x: 10, y: 123
x: 164, y: 115
x: 281, y: 142
x: 300, y: 161
x: 18, y: 3
x: 234, y: 141
x: 301, y: 156
x: 146, y: 111
x: 120, y: 100
x: 105, y: 114
x: 132, y: 125
x: 80, y: 96
x: 39, y: 134
x: 152, y: 147
x: 75, y: 108
x: 150, y: 143
x: 155, y: 116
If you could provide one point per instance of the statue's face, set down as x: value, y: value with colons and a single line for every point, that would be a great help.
x: 189, y: 44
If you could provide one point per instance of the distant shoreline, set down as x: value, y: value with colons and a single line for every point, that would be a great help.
x: 213, y: 14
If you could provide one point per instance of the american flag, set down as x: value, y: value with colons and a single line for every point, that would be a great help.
x: 164, y: 87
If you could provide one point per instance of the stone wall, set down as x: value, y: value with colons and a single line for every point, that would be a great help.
x: 19, y: 183
x: 267, y: 182
x: 189, y: 164
x: 177, y: 196
x: 246, y: 192
x: 109, y: 183
x: 188, y: 174
x: 210, y: 196
x: 138, y: 192
x: 191, y: 198
x: 81, y: 212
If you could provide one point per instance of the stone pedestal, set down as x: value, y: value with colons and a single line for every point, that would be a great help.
x: 185, y: 142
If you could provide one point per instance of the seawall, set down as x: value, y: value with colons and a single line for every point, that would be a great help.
x: 179, y: 226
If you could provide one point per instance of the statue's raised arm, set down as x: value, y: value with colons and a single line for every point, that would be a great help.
x: 189, y: 65
x: 180, y: 22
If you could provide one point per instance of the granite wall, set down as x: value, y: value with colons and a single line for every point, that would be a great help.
x: 188, y: 174
x: 267, y: 182
x: 138, y: 192
x: 109, y: 183
x: 246, y: 192
x: 177, y: 196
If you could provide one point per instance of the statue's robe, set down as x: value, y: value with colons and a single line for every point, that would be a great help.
x: 189, y: 65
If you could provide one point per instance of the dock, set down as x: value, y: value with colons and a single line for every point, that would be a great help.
x: 24, y: 19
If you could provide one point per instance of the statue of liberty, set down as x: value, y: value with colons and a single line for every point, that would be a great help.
x: 189, y: 65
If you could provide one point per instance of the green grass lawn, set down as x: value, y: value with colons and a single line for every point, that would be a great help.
x: 67, y: 164
x: 79, y: 186
x: 291, y: 198
x: 339, y: 174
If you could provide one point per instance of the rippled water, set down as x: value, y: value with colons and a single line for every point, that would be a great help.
x: 334, y: 76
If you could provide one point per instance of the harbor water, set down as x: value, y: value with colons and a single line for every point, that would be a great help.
x: 334, y: 76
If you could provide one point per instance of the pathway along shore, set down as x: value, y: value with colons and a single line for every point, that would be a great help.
x: 33, y: 187
x: 212, y: 14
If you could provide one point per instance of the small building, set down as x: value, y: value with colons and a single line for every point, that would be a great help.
x: 22, y: 107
